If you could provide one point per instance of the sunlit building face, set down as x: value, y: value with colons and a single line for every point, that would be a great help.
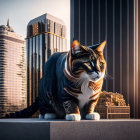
x: 45, y: 35
x: 12, y: 71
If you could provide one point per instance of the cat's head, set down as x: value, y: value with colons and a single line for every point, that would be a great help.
x: 88, y: 60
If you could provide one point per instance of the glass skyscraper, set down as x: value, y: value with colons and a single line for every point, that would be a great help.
x: 13, y: 89
x: 45, y: 35
x: 117, y: 22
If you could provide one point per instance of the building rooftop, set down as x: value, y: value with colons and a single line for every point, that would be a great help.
x: 6, y: 27
x: 44, y: 17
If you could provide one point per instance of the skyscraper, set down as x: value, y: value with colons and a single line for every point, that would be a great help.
x: 45, y: 35
x: 117, y: 22
x: 13, y: 92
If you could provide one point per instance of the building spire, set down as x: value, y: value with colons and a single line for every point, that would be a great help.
x: 8, y: 22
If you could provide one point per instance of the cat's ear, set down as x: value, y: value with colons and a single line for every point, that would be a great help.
x: 76, y: 47
x: 99, y: 47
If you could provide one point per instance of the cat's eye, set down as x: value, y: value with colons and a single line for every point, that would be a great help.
x: 101, y: 63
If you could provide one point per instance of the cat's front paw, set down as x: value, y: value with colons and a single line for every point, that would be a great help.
x: 48, y: 116
x: 73, y: 117
x: 41, y: 116
x: 93, y: 116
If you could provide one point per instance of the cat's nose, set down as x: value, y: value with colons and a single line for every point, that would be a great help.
x: 97, y: 71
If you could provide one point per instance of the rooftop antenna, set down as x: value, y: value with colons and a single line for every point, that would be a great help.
x: 8, y: 22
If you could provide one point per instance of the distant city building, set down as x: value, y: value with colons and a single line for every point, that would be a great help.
x: 45, y: 35
x: 13, y: 90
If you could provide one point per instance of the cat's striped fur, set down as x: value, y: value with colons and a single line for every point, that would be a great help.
x: 89, y: 90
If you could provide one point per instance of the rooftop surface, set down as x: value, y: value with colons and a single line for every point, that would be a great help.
x: 24, y: 129
x: 36, y: 120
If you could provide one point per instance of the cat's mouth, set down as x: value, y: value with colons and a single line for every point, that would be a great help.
x: 93, y: 78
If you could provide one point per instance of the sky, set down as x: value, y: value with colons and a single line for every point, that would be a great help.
x: 20, y: 12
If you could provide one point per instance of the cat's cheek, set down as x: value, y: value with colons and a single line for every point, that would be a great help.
x: 93, y: 116
x: 73, y: 117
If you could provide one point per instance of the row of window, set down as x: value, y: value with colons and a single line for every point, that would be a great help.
x: 13, y: 87
x: 50, y: 26
x: 39, y: 48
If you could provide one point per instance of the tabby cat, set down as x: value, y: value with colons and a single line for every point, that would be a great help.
x: 72, y: 83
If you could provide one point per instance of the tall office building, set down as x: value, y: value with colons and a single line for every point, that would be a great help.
x: 45, y: 35
x: 13, y: 91
x: 117, y: 22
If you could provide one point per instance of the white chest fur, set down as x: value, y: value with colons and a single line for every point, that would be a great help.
x: 86, y: 94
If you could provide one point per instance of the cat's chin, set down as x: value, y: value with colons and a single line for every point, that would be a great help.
x: 90, y: 77
x: 95, y: 79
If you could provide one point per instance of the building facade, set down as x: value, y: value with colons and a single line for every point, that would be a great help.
x: 117, y: 22
x: 13, y: 90
x: 45, y: 35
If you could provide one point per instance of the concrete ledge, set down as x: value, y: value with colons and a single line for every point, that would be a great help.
x: 35, y: 129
